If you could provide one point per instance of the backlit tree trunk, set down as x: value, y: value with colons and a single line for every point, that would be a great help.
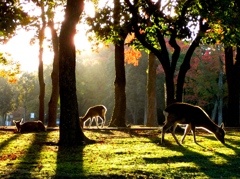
x: 70, y: 130
x: 151, y: 92
x: 40, y: 67
x: 119, y: 111
x: 53, y: 103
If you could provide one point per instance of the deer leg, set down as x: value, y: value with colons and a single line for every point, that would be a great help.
x: 193, y: 131
x: 90, y: 122
x: 103, y: 121
x: 173, y: 133
x: 96, y: 119
x: 187, y: 129
x: 164, y: 129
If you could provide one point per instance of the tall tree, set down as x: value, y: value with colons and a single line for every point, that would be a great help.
x: 70, y: 130
x: 223, y: 18
x: 151, y: 92
x: 53, y: 103
x: 41, y: 37
x: 113, y: 27
x: 166, y: 25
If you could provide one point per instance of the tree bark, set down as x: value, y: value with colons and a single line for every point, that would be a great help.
x: 151, y: 92
x: 214, y: 111
x: 119, y: 111
x: 70, y: 130
x: 232, y: 72
x: 220, y: 84
x: 53, y: 103
x: 40, y: 67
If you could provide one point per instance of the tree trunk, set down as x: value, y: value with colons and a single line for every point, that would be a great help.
x: 119, y: 111
x: 184, y: 68
x: 220, y: 93
x: 214, y: 111
x: 151, y: 92
x: 53, y: 103
x: 2, y: 118
x: 40, y: 68
x: 145, y: 111
x: 232, y: 72
x: 70, y: 130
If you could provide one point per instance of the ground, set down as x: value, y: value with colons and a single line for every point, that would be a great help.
x: 119, y: 154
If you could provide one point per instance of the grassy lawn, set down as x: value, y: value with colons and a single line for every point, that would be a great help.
x: 119, y: 155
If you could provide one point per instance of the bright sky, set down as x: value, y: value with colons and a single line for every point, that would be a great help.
x: 27, y: 55
x: 21, y: 50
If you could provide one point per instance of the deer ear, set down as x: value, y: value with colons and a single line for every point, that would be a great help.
x: 165, y: 113
x: 21, y: 120
x: 222, y: 125
x: 14, y: 121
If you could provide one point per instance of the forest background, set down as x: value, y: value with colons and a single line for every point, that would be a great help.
x: 95, y: 76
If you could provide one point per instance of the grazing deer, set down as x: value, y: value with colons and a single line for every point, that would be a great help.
x: 194, y: 117
x: 29, y: 126
x: 94, y: 112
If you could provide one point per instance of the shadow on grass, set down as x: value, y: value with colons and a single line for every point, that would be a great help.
x: 228, y: 168
x: 70, y: 162
x: 30, y: 165
x: 6, y: 142
x: 108, y: 132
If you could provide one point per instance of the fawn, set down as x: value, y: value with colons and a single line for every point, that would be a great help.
x: 194, y: 117
x: 29, y: 126
x: 94, y: 112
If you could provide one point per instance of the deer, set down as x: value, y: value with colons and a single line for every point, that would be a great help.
x: 29, y: 126
x: 194, y: 117
x: 94, y: 112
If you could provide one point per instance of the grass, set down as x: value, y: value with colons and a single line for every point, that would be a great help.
x: 119, y: 155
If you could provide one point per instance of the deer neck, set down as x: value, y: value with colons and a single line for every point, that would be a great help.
x: 211, y: 127
x: 85, y: 117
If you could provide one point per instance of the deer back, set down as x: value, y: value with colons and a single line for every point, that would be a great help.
x: 29, y: 126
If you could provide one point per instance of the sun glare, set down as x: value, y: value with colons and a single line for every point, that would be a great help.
x: 89, y: 9
x: 27, y: 55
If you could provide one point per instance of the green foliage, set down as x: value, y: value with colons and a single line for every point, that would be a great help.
x: 11, y: 17
x: 104, y: 25
x: 223, y: 19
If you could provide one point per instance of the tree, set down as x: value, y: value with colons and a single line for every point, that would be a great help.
x: 132, y: 56
x: 41, y: 37
x: 151, y: 92
x: 113, y: 27
x: 70, y: 130
x: 53, y: 103
x: 225, y: 29
x: 172, y: 26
